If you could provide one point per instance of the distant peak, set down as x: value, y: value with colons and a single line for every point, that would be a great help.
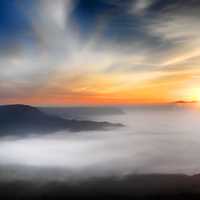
x: 18, y: 107
x: 185, y: 102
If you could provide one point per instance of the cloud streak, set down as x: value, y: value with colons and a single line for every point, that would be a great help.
x: 125, y: 49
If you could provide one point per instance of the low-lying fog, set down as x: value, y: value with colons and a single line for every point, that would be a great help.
x: 155, y: 140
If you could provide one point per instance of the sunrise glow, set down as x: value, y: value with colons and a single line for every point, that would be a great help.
x: 69, y: 53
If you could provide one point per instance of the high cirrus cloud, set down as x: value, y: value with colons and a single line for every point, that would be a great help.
x: 67, y: 48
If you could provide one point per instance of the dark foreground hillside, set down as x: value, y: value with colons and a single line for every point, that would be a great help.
x: 170, y: 187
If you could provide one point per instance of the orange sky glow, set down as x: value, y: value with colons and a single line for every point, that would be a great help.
x: 141, y: 56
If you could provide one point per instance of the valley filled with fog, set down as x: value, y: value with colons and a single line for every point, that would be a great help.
x: 162, y: 140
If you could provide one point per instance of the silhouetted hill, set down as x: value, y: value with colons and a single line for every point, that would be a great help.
x: 83, y: 112
x: 23, y: 119
x: 184, y: 102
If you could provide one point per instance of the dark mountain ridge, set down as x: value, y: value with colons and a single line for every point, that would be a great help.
x: 23, y: 119
x: 83, y: 112
x: 146, y: 186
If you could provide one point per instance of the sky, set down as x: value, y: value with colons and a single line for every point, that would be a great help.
x: 94, y: 52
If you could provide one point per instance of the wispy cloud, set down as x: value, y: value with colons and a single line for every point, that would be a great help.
x: 140, y: 6
x: 54, y: 58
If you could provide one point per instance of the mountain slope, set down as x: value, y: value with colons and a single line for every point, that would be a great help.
x: 23, y: 119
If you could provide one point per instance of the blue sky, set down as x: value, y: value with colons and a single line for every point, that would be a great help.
x: 110, y: 51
